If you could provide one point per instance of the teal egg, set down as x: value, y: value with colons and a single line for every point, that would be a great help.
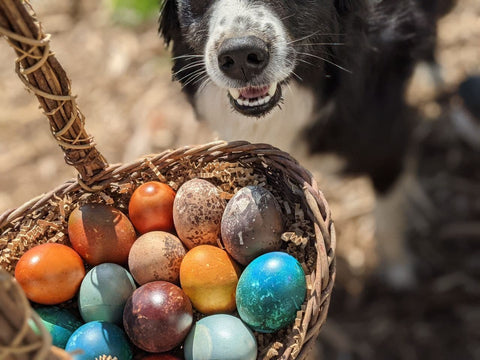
x: 97, y: 338
x: 59, y: 322
x: 104, y: 292
x: 270, y: 291
x: 220, y: 336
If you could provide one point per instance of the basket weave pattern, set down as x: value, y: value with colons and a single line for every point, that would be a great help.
x: 229, y: 165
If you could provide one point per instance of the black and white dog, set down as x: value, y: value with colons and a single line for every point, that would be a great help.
x: 323, y: 75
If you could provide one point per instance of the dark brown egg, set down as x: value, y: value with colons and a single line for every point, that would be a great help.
x: 197, y: 213
x: 252, y: 224
x: 158, y: 316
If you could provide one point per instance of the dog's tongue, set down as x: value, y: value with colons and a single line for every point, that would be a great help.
x: 253, y: 92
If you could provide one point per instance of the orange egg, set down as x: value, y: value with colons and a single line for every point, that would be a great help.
x: 101, y: 233
x: 151, y: 207
x: 50, y: 273
x: 209, y: 277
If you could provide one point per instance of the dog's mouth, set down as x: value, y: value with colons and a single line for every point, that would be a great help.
x: 255, y: 100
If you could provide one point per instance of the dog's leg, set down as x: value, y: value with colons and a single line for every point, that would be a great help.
x: 396, y: 261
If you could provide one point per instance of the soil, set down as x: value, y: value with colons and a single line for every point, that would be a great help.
x: 121, y: 75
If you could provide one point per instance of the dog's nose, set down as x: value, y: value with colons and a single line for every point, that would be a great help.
x: 242, y: 58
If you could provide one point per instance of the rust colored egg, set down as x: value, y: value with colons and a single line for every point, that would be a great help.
x: 101, y: 233
x: 50, y: 273
x: 158, y: 316
x: 160, y: 357
x: 156, y: 255
x: 209, y: 277
x: 197, y: 213
x: 151, y: 207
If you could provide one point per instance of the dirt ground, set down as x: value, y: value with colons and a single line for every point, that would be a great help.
x: 121, y: 75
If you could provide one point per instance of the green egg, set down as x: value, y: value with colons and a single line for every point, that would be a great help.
x: 59, y: 322
x: 104, y: 292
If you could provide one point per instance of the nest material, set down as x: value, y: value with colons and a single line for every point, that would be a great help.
x: 310, y: 235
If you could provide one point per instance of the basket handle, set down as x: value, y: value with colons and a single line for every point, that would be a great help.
x: 41, y: 72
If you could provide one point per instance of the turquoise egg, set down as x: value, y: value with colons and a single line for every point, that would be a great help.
x: 97, y: 338
x: 270, y: 291
x: 220, y: 336
x: 59, y: 322
x: 104, y: 292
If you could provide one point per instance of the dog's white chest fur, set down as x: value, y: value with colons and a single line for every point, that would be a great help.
x: 280, y: 128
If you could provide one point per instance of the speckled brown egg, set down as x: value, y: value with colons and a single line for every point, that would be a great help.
x: 156, y: 255
x: 197, y: 213
x: 252, y: 224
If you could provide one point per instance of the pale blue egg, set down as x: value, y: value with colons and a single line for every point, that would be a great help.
x: 220, y: 336
x: 104, y: 292
x: 270, y: 291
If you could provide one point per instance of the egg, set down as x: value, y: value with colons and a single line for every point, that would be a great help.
x: 50, y: 273
x: 270, y: 291
x: 104, y: 292
x: 197, y: 213
x: 97, y: 338
x: 59, y: 322
x: 252, y: 224
x: 209, y: 277
x: 151, y: 207
x: 156, y: 255
x: 101, y: 233
x: 160, y: 357
x: 158, y: 316
x: 220, y: 336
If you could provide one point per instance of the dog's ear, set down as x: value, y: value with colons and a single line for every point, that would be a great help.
x: 169, y: 26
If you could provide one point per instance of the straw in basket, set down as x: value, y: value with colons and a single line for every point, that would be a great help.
x: 229, y: 165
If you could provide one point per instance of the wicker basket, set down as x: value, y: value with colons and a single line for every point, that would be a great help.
x: 229, y: 165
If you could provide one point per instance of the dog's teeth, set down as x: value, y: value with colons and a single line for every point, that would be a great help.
x: 254, y: 103
x: 242, y: 102
x: 272, y: 89
x: 235, y: 93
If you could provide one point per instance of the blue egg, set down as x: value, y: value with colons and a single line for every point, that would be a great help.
x: 104, y: 291
x: 270, y: 291
x: 220, y: 336
x: 59, y: 322
x: 98, y: 338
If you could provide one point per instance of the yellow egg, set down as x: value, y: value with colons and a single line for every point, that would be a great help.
x: 209, y: 277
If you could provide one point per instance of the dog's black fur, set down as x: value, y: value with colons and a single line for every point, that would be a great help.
x: 383, y: 40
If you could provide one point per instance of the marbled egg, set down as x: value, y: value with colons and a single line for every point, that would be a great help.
x: 158, y: 316
x: 220, y: 336
x: 101, y: 233
x: 97, y: 338
x: 252, y: 224
x: 270, y: 291
x: 209, y: 277
x: 156, y: 255
x: 104, y: 292
x: 59, y: 322
x: 197, y: 213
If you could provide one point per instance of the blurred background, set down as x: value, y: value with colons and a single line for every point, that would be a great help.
x: 121, y: 73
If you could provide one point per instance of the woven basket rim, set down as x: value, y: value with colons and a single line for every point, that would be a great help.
x: 39, y: 70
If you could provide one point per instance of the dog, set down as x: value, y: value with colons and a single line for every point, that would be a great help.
x: 322, y: 76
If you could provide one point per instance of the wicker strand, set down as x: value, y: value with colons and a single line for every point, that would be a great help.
x: 40, y: 72
x: 14, y: 316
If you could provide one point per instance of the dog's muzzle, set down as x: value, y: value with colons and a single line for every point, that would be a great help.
x: 244, y: 59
